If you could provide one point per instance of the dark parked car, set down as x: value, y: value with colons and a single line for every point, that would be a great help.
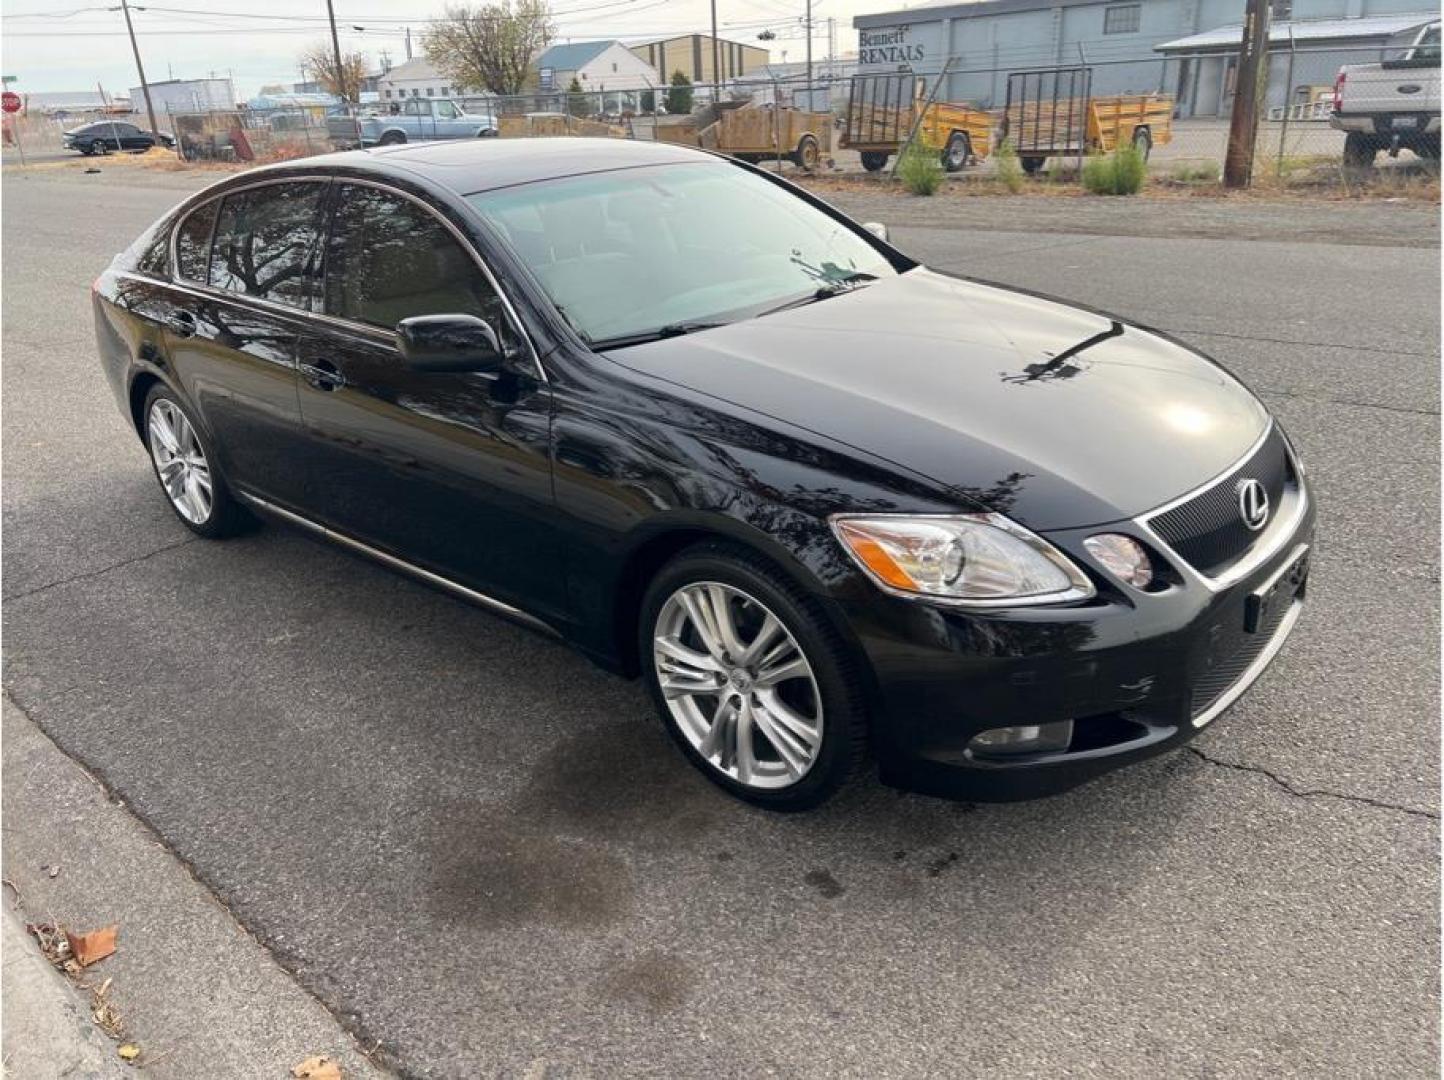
x: 113, y: 137
x: 828, y: 503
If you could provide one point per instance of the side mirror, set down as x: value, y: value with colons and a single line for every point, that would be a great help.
x: 877, y: 228
x: 448, y: 343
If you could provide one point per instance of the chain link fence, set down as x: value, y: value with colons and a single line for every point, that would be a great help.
x: 1183, y: 101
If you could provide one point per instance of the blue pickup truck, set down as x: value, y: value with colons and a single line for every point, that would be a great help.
x: 417, y: 120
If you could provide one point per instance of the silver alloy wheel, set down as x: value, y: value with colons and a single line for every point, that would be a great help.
x: 180, y: 462
x: 738, y: 685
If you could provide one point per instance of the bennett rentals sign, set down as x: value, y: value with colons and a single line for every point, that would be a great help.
x: 888, y: 45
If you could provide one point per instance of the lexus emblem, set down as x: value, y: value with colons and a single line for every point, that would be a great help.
x: 1253, y: 504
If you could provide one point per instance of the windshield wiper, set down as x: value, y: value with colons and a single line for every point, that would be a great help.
x: 671, y: 330
x: 835, y: 287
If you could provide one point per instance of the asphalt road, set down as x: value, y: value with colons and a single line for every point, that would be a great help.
x: 480, y: 850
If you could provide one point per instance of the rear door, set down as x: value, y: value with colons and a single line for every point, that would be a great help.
x: 245, y: 283
x: 449, y: 471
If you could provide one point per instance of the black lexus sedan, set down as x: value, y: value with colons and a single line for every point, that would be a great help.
x: 832, y: 506
x: 113, y: 137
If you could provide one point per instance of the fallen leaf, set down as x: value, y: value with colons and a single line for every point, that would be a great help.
x: 92, y: 945
x: 317, y: 1067
x: 128, y: 1051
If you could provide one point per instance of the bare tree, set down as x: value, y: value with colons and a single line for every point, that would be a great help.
x: 319, y: 62
x: 489, y: 46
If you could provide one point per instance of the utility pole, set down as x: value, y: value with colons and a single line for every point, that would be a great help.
x: 140, y: 68
x: 336, y: 49
x: 716, y: 88
x: 809, y: 55
x: 1249, y: 86
x: 408, y: 43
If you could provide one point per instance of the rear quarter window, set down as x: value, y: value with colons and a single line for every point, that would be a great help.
x: 193, y: 243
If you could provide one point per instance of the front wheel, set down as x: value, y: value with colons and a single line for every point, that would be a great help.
x: 99, y: 147
x: 185, y: 468
x: 751, y: 681
x: 957, y: 152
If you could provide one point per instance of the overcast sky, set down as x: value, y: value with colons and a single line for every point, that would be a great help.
x: 73, y: 44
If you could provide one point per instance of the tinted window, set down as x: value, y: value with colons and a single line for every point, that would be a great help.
x: 193, y: 243
x: 265, y: 242
x: 389, y: 259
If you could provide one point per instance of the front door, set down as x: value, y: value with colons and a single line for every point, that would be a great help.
x: 449, y: 471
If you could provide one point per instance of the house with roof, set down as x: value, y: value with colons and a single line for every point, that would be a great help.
x: 597, y: 66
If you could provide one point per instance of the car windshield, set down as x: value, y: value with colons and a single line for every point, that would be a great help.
x: 667, y: 248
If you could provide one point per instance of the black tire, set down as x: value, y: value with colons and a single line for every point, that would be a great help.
x: 958, y: 151
x: 807, y: 154
x: 392, y: 138
x: 843, y: 747
x: 100, y: 147
x: 1143, y: 141
x: 227, y: 517
x: 874, y: 160
x: 1360, y: 149
x: 1427, y: 148
x: 1032, y: 164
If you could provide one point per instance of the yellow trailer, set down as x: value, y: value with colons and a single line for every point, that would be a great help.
x: 882, y: 111
x: 755, y: 133
x: 1051, y: 113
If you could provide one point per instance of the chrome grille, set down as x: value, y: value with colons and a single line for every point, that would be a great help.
x: 1208, y: 530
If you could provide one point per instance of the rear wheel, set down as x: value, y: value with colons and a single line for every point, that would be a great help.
x: 392, y: 138
x: 874, y: 160
x: 185, y: 468
x: 750, y: 680
x: 1032, y: 164
x: 807, y: 154
x: 957, y: 152
x: 1360, y: 150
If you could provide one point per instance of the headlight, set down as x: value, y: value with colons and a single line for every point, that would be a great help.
x: 981, y: 560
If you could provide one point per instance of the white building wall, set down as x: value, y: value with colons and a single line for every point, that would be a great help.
x: 616, y: 68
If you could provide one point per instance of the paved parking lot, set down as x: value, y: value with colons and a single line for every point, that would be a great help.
x: 476, y: 848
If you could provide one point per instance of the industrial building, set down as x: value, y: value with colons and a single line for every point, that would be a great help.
x: 691, y: 54
x: 1178, y: 47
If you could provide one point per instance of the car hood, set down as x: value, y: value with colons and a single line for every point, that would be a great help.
x: 1057, y: 416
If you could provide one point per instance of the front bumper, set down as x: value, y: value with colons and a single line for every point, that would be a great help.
x: 1138, y: 673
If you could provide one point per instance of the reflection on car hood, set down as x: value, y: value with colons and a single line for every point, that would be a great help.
x: 1058, y: 416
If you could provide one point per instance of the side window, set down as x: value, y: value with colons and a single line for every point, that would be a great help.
x: 445, y: 111
x: 413, y: 108
x: 389, y: 259
x: 193, y: 243
x: 266, y: 242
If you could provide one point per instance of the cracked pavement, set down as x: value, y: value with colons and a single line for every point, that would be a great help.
x: 476, y: 848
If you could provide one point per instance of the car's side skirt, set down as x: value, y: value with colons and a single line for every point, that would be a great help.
x: 395, y: 563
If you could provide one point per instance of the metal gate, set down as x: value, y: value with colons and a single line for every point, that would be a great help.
x: 1046, y: 114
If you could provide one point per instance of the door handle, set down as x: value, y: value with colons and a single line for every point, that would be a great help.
x: 323, y: 375
x: 182, y: 323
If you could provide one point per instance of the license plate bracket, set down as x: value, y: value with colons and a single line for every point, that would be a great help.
x: 1282, y: 586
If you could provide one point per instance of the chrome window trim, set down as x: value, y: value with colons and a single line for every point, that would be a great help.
x: 387, y: 337
x: 1279, y: 533
x: 1255, y: 669
x: 387, y: 559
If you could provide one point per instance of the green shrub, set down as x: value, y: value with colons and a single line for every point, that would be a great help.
x: 1010, y: 169
x: 1119, y: 173
x: 921, y: 168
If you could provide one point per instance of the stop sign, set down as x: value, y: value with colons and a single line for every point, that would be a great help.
x: 10, y: 101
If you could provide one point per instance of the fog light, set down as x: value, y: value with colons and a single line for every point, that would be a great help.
x: 1023, y: 739
x: 1123, y: 557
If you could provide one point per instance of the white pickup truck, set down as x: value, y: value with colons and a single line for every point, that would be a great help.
x: 1392, y: 105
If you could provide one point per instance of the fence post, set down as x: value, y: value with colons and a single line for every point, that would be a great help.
x: 1288, y: 102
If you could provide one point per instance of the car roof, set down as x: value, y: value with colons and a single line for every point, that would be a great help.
x: 468, y: 166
